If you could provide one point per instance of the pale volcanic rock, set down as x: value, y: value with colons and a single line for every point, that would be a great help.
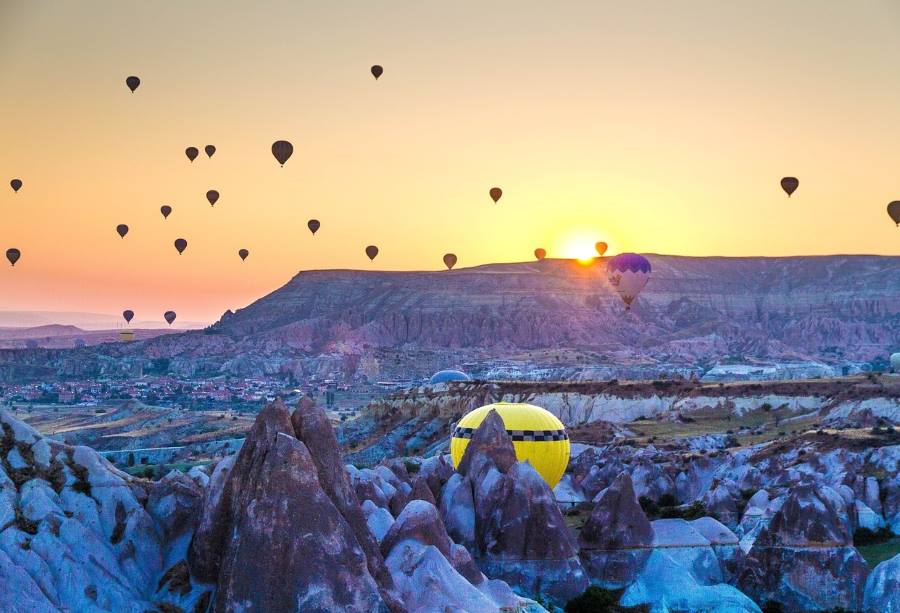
x: 520, y: 535
x: 882, y: 591
x: 273, y: 501
x: 311, y: 426
x: 804, y: 558
x: 614, y: 542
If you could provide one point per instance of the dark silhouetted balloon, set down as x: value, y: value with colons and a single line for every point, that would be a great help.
x: 169, y: 317
x: 790, y: 185
x: 16, y: 184
x: 540, y: 253
x: 166, y: 210
x: 601, y: 248
x: 13, y: 256
x: 192, y: 153
x: 449, y: 260
x: 894, y: 211
x: 243, y: 253
x: 282, y: 150
x: 210, y: 149
x: 132, y: 83
x: 128, y: 314
x: 313, y: 225
x: 180, y: 245
x: 122, y: 229
x: 213, y: 197
x: 371, y: 251
x: 495, y: 193
x: 377, y: 71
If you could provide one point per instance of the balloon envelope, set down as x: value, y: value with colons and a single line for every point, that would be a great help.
x: 601, y: 248
x: 628, y: 273
x: 128, y: 315
x: 449, y: 260
x: 122, y: 229
x: 790, y: 185
x: 192, y: 153
x: 377, y: 71
x: 895, y: 362
x: 313, y: 225
x: 371, y: 251
x: 132, y: 82
x: 538, y: 437
x: 213, y: 197
x: 210, y: 149
x: 894, y: 211
x: 13, y: 256
x: 16, y: 184
x: 495, y: 193
x: 169, y: 316
x: 166, y: 210
x: 540, y: 253
x: 243, y: 253
x: 282, y: 150
x: 180, y: 245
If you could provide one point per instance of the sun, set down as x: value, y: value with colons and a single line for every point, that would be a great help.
x: 580, y: 246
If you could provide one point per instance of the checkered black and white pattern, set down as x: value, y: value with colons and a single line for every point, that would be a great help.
x: 519, y: 435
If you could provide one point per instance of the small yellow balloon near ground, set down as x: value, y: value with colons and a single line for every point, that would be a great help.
x: 538, y: 437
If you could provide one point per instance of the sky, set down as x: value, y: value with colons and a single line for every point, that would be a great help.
x: 655, y: 126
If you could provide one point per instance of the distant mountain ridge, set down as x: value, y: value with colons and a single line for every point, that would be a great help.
x: 693, y: 307
x: 557, y: 316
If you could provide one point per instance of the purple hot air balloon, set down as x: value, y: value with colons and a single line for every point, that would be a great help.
x: 169, y: 317
x: 128, y: 315
x: 628, y: 273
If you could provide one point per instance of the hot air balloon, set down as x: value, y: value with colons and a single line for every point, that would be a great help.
x: 192, y: 153
x: 132, y: 83
x: 243, y: 253
x: 495, y: 193
x: 282, y: 150
x: 213, y: 197
x: 122, y: 229
x: 790, y: 185
x: 377, y: 71
x: 313, y: 225
x: 628, y: 273
x: 540, y: 253
x: 180, y: 245
x: 128, y: 315
x: 601, y: 248
x: 169, y: 316
x: 894, y: 211
x: 449, y: 260
x: 895, y: 362
x: 210, y: 150
x: 166, y: 210
x: 16, y: 184
x: 371, y: 251
x: 538, y: 437
x: 13, y: 256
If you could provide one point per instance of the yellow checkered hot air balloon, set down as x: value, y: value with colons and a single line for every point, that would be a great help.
x: 538, y: 437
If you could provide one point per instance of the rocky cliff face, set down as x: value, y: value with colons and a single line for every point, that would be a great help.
x: 754, y: 306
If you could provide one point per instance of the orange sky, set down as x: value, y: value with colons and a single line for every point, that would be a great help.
x: 655, y: 126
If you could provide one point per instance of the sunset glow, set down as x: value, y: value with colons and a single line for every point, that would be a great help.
x: 670, y: 138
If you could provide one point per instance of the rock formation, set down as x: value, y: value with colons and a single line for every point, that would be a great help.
x: 505, y: 514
